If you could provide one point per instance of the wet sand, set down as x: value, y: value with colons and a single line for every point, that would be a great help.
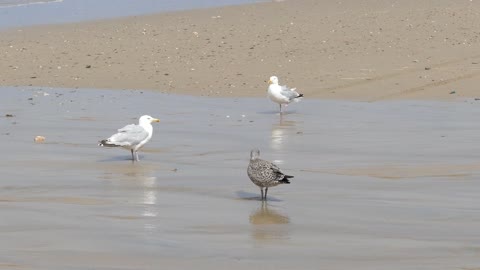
x: 357, y: 50
x: 384, y: 185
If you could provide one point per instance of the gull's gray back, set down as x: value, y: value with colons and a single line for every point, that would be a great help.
x: 289, y: 93
x: 130, y: 135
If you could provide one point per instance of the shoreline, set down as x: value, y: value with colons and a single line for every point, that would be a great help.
x: 70, y: 11
x: 365, y: 51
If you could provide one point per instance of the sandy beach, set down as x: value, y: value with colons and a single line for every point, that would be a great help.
x: 361, y: 50
x: 391, y: 183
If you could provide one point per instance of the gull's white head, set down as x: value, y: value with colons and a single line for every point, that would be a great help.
x: 147, y: 119
x: 273, y: 80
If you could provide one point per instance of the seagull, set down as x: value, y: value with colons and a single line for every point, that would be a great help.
x: 281, y: 94
x: 132, y: 137
x: 265, y: 174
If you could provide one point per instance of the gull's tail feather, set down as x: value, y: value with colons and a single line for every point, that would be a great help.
x: 285, y: 179
x: 106, y: 143
x: 298, y: 98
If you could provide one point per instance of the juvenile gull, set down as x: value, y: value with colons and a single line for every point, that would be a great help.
x: 265, y: 174
x: 132, y: 137
x: 281, y: 94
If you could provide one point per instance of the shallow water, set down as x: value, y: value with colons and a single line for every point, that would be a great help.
x: 17, y: 3
x: 386, y: 185
x: 30, y: 12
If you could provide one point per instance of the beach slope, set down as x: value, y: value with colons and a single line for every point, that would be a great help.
x: 361, y: 50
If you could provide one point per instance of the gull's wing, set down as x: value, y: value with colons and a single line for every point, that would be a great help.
x: 276, y: 170
x: 270, y: 168
x: 267, y: 165
x: 289, y: 93
x: 129, y: 135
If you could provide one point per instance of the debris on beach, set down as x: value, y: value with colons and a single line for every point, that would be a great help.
x: 453, y: 92
x: 39, y: 139
x: 42, y: 93
x: 9, y: 115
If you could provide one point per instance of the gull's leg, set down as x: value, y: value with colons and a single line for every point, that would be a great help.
x: 136, y: 154
x: 266, y: 189
x: 133, y: 157
x: 280, y: 107
x: 261, y: 191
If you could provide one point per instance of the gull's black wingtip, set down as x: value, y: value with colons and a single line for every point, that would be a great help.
x: 105, y: 143
x: 285, y: 179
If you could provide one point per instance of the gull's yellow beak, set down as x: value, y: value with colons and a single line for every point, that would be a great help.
x: 155, y: 120
x: 270, y: 82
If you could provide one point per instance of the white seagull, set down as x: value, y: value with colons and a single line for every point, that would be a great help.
x: 281, y: 94
x: 132, y: 137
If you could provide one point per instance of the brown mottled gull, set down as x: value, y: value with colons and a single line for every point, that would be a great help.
x: 265, y: 174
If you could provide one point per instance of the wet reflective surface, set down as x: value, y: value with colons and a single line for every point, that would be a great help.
x: 19, y: 13
x: 388, y: 185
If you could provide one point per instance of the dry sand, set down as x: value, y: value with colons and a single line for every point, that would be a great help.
x: 361, y: 50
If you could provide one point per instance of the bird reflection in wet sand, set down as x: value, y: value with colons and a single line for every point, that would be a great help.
x: 280, y: 133
x: 139, y: 183
x: 144, y: 177
x: 268, y: 224
x: 149, y: 198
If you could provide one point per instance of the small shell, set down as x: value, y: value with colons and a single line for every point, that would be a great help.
x: 39, y: 139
